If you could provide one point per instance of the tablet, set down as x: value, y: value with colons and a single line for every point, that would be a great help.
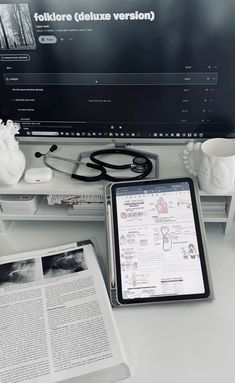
x: 156, y: 242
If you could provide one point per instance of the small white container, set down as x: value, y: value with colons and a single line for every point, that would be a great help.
x: 19, y: 204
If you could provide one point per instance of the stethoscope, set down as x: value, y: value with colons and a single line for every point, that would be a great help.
x: 140, y: 164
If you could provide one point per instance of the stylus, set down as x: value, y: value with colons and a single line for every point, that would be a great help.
x: 111, y: 249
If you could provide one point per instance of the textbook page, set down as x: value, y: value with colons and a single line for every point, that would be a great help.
x: 56, y: 321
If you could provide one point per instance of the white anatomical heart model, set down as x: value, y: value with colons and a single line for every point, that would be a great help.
x: 12, y: 159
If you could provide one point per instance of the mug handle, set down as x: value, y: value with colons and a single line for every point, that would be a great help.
x: 190, y: 147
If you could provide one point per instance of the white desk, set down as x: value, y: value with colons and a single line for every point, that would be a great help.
x: 182, y: 342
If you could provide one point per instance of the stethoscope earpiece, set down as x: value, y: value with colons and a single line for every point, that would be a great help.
x: 51, y: 149
x: 38, y: 154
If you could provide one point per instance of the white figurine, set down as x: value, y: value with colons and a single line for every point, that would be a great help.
x: 12, y: 159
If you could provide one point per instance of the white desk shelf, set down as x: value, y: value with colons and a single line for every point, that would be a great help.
x: 51, y: 213
x: 47, y: 212
x: 220, y: 215
x: 61, y: 184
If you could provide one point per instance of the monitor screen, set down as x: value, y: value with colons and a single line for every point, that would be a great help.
x: 118, y: 69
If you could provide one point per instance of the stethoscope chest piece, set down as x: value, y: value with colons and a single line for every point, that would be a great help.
x: 139, y: 165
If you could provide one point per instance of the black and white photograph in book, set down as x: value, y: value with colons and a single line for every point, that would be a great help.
x: 16, y: 30
x: 20, y: 272
x: 64, y: 263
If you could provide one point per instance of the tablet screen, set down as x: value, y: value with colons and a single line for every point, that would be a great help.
x: 159, y: 248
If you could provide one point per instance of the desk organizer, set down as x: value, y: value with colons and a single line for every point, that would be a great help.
x: 19, y: 204
x: 34, y: 207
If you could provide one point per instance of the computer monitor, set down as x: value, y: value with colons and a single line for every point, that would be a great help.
x: 133, y: 69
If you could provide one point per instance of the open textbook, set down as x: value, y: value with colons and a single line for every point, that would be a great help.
x: 56, y: 321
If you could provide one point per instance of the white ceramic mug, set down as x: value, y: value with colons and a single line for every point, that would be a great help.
x: 215, y: 165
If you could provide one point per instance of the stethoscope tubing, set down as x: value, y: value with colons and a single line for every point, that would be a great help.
x: 100, y: 176
x: 100, y: 166
x: 111, y: 151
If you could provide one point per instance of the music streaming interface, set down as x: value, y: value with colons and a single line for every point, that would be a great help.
x: 115, y: 69
x: 157, y: 242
